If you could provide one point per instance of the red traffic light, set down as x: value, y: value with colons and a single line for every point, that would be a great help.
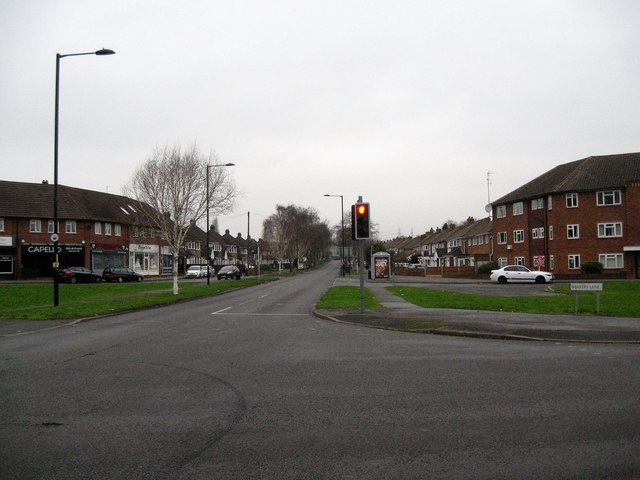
x: 361, y: 209
x: 360, y: 221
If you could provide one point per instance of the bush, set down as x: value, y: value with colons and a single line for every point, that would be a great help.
x: 592, y: 267
x: 486, y: 268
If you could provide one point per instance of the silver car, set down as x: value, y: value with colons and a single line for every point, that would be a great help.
x: 520, y: 273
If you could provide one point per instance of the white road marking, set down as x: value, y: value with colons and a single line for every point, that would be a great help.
x: 220, y: 311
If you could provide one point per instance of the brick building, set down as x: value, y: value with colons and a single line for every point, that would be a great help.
x: 96, y: 230
x: 582, y: 211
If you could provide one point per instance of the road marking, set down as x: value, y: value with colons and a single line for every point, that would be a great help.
x: 220, y: 311
x: 263, y: 296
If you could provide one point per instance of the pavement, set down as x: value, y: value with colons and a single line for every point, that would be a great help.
x: 400, y: 314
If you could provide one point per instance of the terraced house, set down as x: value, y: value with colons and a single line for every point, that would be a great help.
x: 583, y: 211
x: 96, y: 230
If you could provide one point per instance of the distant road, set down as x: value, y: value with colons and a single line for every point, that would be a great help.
x: 250, y: 385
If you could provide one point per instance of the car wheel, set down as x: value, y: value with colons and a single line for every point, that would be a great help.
x: 73, y: 280
x: 540, y: 279
x: 120, y: 279
x: 98, y: 279
x: 502, y: 280
x: 139, y: 279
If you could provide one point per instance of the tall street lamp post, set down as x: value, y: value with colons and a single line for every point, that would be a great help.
x: 342, y: 232
x: 55, y: 236
x: 208, y: 247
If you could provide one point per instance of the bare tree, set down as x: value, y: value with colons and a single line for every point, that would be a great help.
x: 277, y: 231
x: 172, y: 183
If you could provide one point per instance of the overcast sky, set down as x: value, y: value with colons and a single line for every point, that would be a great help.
x: 407, y: 103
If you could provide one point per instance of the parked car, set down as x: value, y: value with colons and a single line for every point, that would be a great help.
x: 196, y: 271
x: 229, y: 271
x: 121, y: 274
x: 520, y: 273
x: 77, y: 275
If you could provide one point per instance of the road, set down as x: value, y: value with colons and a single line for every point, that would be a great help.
x: 250, y: 385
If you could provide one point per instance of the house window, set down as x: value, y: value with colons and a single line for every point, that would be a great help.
x: 573, y: 231
x: 609, y: 197
x: 552, y: 262
x: 35, y: 226
x: 519, y: 260
x: 1, y: 224
x: 118, y: 229
x: 574, y: 262
x: 70, y: 226
x: 606, y: 230
x: 537, y: 204
x: 572, y: 200
x: 611, y: 260
x: 503, y: 262
x: 537, y: 232
x: 518, y: 208
x: 51, y: 226
x: 502, y: 238
x: 518, y: 236
x: 501, y: 211
x: 549, y: 202
x: 107, y: 229
x: 97, y: 228
x: 550, y: 232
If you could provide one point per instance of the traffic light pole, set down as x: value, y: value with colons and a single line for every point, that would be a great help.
x: 361, y: 270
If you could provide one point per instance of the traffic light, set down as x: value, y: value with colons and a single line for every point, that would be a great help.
x: 360, y: 221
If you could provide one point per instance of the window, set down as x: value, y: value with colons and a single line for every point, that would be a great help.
x: 518, y: 236
x: 107, y: 229
x: 35, y: 226
x: 609, y: 229
x: 537, y: 232
x: 574, y: 262
x: 611, y: 260
x: 549, y: 202
x: 98, y: 228
x: 118, y: 229
x: 70, y: 226
x: 537, y: 203
x: 550, y: 232
x: 518, y: 208
x: 552, y: 262
x: 502, y: 238
x: 519, y: 260
x: 51, y: 228
x: 572, y: 200
x: 1, y: 224
x: 501, y: 211
x: 573, y: 231
x: 503, y: 262
x: 609, y: 197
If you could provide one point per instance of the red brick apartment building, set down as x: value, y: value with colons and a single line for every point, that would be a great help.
x: 96, y: 230
x: 584, y: 211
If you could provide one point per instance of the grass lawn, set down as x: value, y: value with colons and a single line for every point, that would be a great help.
x: 35, y: 301
x: 618, y: 299
x: 347, y: 298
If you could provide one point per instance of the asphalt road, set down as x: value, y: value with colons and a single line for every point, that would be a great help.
x: 251, y: 385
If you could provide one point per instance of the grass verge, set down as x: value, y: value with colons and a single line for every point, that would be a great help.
x: 618, y: 299
x: 35, y: 301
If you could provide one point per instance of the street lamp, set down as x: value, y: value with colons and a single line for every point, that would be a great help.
x: 342, y: 232
x: 55, y: 236
x: 208, y: 249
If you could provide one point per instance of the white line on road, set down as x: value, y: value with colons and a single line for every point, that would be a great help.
x: 220, y: 311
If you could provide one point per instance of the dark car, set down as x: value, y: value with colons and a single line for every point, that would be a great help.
x: 121, y: 274
x: 77, y: 275
x: 229, y: 271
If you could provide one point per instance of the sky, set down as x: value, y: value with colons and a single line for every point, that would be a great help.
x: 408, y: 104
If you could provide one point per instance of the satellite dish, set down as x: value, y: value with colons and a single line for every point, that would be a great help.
x: 487, y: 208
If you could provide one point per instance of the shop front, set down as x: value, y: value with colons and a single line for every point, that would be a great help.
x: 37, y: 259
x: 7, y: 258
x: 105, y: 255
x: 144, y: 259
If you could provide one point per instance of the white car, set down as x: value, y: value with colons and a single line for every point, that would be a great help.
x: 520, y: 273
x: 197, y: 271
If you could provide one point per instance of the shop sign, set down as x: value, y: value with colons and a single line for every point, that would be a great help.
x: 140, y: 248
x: 6, y: 241
x: 49, y: 249
x: 6, y: 264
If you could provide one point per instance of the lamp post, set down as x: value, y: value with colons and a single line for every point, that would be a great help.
x: 55, y: 236
x: 342, y: 232
x: 207, y: 246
